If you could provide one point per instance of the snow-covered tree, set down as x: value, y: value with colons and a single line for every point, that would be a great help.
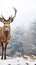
x: 17, y: 41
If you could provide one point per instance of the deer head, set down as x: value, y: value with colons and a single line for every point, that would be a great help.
x: 7, y: 22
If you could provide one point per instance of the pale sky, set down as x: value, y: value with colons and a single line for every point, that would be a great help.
x: 26, y: 11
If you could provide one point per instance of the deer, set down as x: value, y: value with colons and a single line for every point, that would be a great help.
x: 5, y: 33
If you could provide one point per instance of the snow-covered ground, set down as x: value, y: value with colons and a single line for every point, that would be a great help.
x: 17, y: 61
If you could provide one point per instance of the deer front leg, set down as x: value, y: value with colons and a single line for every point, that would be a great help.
x: 2, y: 54
x: 5, y: 51
x: 2, y: 50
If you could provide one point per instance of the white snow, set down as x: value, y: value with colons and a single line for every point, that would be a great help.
x: 17, y: 61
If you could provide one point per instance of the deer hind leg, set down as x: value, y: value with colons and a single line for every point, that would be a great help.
x: 2, y: 50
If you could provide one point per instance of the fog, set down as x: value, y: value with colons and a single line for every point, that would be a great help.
x: 23, y: 29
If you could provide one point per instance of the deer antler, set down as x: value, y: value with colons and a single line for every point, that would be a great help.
x: 15, y: 12
x: 3, y: 17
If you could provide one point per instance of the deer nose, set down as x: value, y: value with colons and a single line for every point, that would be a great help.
x: 6, y: 26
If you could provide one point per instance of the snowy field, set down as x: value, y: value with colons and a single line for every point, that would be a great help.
x: 17, y: 61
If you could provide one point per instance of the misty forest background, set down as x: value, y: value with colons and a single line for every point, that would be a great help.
x: 22, y: 41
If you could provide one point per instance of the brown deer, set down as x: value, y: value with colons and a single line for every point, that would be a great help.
x: 5, y: 33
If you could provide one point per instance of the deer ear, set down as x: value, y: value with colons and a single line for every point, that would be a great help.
x: 0, y: 19
x: 10, y: 19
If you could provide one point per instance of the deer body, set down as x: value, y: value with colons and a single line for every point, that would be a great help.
x: 4, y: 39
x: 5, y: 33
